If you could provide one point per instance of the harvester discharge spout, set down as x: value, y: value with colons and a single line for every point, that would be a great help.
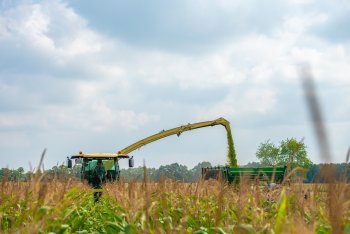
x: 231, y: 154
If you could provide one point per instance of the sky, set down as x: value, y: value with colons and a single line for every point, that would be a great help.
x: 97, y: 76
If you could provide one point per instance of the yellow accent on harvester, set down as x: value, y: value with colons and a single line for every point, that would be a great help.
x: 99, y: 155
x: 231, y: 154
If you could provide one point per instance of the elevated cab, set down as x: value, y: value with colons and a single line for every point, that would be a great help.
x: 88, y: 162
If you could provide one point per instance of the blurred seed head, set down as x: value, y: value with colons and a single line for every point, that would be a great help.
x: 315, y: 112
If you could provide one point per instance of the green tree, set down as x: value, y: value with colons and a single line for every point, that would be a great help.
x: 289, y: 151
x: 268, y: 154
x: 294, y: 151
x: 18, y: 174
x: 174, y: 171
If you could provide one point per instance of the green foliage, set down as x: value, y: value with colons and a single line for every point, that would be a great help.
x: 232, y: 157
x: 13, y: 175
x: 281, y: 213
x: 173, y: 171
x: 294, y: 151
x: 342, y: 172
x: 268, y: 154
x: 289, y: 151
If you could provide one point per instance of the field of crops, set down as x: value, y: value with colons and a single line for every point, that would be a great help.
x: 41, y: 206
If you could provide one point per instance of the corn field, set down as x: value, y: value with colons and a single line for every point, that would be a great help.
x: 56, y: 206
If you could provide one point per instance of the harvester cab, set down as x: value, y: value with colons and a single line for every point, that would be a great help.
x: 86, y: 164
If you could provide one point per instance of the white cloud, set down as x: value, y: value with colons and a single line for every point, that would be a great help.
x: 54, y: 31
x: 213, y: 70
x: 302, y: 2
x: 60, y: 74
x: 237, y: 103
x: 50, y: 28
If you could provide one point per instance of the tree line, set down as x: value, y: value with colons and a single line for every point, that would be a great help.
x: 173, y: 171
